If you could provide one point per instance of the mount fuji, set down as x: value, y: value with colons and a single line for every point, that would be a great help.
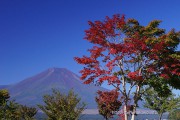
x: 31, y: 90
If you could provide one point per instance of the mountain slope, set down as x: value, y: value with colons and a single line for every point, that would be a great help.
x: 31, y: 90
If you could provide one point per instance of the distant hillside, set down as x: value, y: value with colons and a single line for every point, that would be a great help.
x: 31, y: 90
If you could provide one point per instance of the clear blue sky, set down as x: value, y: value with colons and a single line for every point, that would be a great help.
x: 38, y: 34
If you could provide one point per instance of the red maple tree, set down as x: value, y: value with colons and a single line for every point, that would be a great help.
x: 128, y: 55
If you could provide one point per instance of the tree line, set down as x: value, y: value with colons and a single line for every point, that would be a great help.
x: 60, y: 106
x: 57, y: 106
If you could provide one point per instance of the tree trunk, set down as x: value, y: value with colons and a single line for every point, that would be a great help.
x: 133, y: 112
x: 136, y: 98
x: 125, y: 113
x: 160, y: 116
x: 133, y: 117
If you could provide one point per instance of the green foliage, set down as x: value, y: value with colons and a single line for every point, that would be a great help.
x: 160, y: 104
x: 60, y: 106
x: 160, y: 85
x: 4, y: 96
x: 10, y: 110
x: 27, y: 113
x: 174, y: 115
x: 173, y: 82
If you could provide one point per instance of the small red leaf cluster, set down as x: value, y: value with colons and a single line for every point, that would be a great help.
x: 135, y: 76
x: 96, y: 52
x: 107, y: 97
x: 108, y: 103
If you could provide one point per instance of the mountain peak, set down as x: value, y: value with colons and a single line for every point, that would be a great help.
x: 56, y: 69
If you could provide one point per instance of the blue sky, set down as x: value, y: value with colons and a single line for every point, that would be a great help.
x: 39, y: 34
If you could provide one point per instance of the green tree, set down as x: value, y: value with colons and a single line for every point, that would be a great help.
x: 4, y: 96
x: 27, y: 113
x: 174, y: 115
x: 10, y: 110
x: 59, y: 106
x: 160, y: 104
